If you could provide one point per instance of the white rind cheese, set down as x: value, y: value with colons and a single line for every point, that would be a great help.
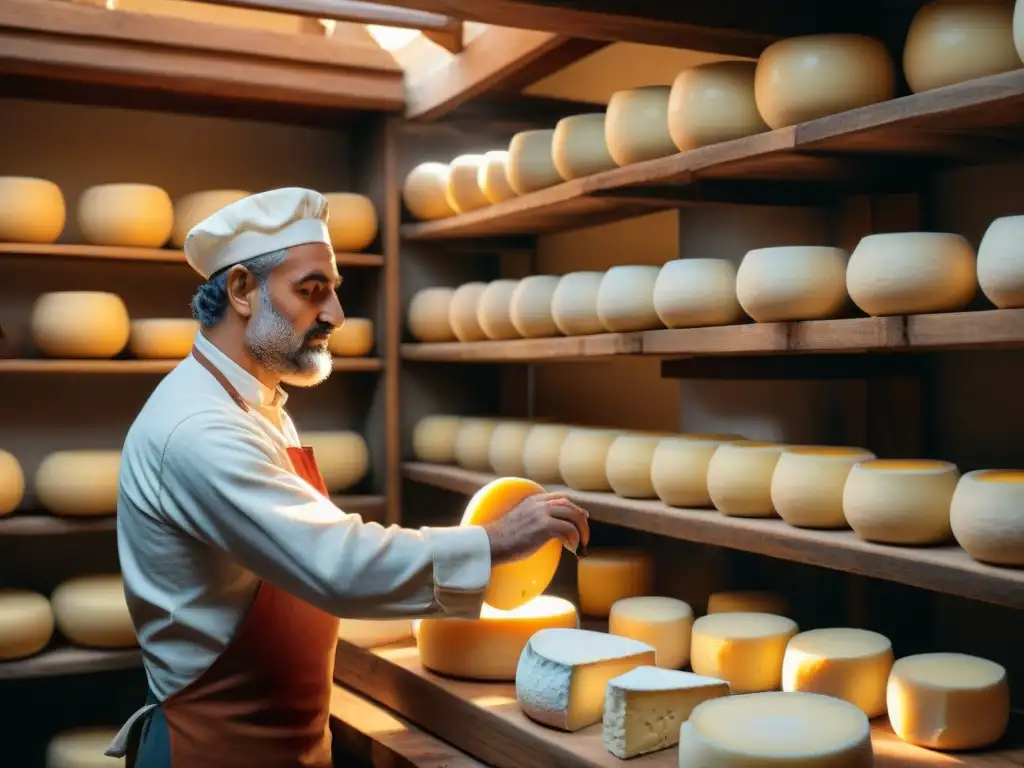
x: 746, y: 649
x: 664, y: 622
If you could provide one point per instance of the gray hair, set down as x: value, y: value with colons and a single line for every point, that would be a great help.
x: 211, y: 299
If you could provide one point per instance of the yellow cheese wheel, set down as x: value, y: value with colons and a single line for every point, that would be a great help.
x: 625, y: 300
x: 193, y: 208
x: 513, y: 584
x: 341, y: 455
x: 463, y: 189
x: 428, y: 315
x: 663, y: 622
x: 492, y: 177
x: 165, y: 339
x: 579, y: 147
x: 679, y: 468
x: 351, y: 222
x: 628, y: 465
x: 79, y: 483
x: 740, y: 478
x: 530, y: 306
x: 530, y: 165
x: 574, y: 304
x: 353, y: 339
x: 792, y: 283
x: 462, y: 312
x: 433, y: 438
x: 606, y: 576
x: 494, y: 310
x: 12, y: 483
x: 986, y: 515
x: 489, y: 648
x: 583, y: 458
x: 26, y: 623
x: 714, y: 102
x: 80, y: 324
x: 134, y: 215
x: 541, y: 452
x: 92, y: 611
x: 31, y: 210
x: 808, y: 482
x: 82, y: 748
x: 636, y: 125
x: 748, y: 602
x: 505, y: 454
x: 690, y: 293
x: 744, y: 649
x: 1001, y: 261
x: 425, y: 192
x: 473, y: 443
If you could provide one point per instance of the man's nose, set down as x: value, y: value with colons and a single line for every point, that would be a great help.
x: 333, y: 313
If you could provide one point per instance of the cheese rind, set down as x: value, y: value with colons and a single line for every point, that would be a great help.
x: 628, y: 465
x: 985, y: 516
x: 12, y: 483
x: 808, y: 482
x: 679, y: 468
x: 740, y: 478
x: 530, y: 306
x: 82, y: 748
x: 541, y: 452
x: 472, y: 448
x: 129, y: 215
x: 505, y: 453
x: 792, y: 283
x: 80, y: 324
x: 462, y: 312
x: 625, y: 299
x: 26, y: 623
x: 163, y: 339
x: 433, y: 438
x: 79, y: 483
x: 424, y: 192
x: 636, y: 125
x: 494, y: 310
x: 31, y: 210
x: 607, y: 575
x: 746, y: 649
x: 342, y: 457
x: 583, y: 458
x: 428, y: 315
x: 92, y: 611
x: 574, y: 304
x: 353, y: 339
x: 664, y: 622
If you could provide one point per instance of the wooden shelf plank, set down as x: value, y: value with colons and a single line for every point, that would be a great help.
x: 13, y: 365
x: 945, y: 569
x: 526, y: 350
x: 167, y: 255
x: 70, y: 661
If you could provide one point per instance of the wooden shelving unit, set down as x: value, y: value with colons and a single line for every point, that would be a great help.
x: 168, y: 255
x: 342, y: 364
x: 70, y: 661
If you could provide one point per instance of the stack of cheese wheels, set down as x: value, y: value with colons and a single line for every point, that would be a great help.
x: 473, y: 443
x: 530, y: 165
x: 1001, y: 260
x: 425, y: 192
x: 193, y: 208
x: 92, y: 611
x: 508, y: 441
x: 606, y: 576
x: 462, y: 312
x: 352, y: 224
x: 542, y: 451
x: 901, y: 501
x: 745, y: 649
x: 803, y: 78
x: 489, y: 648
x: 26, y: 623
x: 164, y: 339
x: 12, y: 483
x: 342, y: 456
x: 492, y: 177
x: 574, y: 304
x: 371, y: 633
x: 494, y: 310
x: 353, y: 339
x: 808, y: 482
x: 662, y: 622
x: 985, y: 516
x: 628, y: 465
x: 583, y: 459
x: 579, y: 147
x: 530, y: 306
x: 740, y: 477
x: 748, y: 602
x: 80, y: 324
x: 713, y: 102
x: 82, y: 748
x: 79, y: 483
x: 463, y: 189
x: 636, y: 125
x: 130, y: 215
x: 679, y: 468
x: 792, y: 283
x: 428, y: 315
x: 690, y: 293
x: 433, y: 438
x: 31, y: 210
x: 625, y: 300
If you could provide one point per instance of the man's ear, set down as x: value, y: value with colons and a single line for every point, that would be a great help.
x: 241, y: 288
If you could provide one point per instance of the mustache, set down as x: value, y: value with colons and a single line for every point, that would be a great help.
x: 319, y: 331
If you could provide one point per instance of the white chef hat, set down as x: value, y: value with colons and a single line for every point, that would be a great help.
x: 257, y: 224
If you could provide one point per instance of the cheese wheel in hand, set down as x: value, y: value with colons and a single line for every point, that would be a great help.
x: 91, y: 611
x: 352, y: 221
x: 433, y: 438
x: 31, y: 210
x: 129, y: 215
x: 79, y: 483
x: 353, y: 339
x: 26, y: 623
x: 193, y: 208
x: 12, y: 483
x: 428, y: 315
x: 82, y: 748
x: 425, y: 192
x: 341, y: 455
x: 80, y: 324
x: 163, y: 339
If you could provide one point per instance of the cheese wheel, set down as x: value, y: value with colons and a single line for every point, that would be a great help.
x: 494, y: 310
x: 31, y: 210
x: 531, y: 306
x: 679, y: 468
x: 489, y: 648
x: 804, y: 78
x: 541, y: 452
x: 1018, y: 29
x: 492, y: 177
x: 776, y: 285
x: 92, y: 611
x: 530, y: 167
x: 505, y: 453
x: 574, y: 304
x: 909, y: 273
x: 583, y: 459
x: 130, y: 215
x: 79, y: 483
x: 605, y: 576
x: 690, y: 293
x: 636, y: 125
x: 516, y: 583
x: 625, y: 300
x: 463, y: 189
x: 433, y: 438
x: 80, y: 324
x: 745, y: 649
x: 1001, y: 262
x: 462, y: 312
x: 740, y: 478
x: 901, y: 501
x: 26, y: 623
x: 424, y: 192
x: 714, y: 102
x: 428, y: 315
x: 12, y: 483
x: 848, y: 664
x: 808, y: 482
x: 579, y: 147
x: 164, y: 339
x: 372, y: 633
x: 352, y: 221
x: 354, y: 338
x: 628, y: 465
x: 82, y: 748
x: 342, y: 456
x: 948, y: 701
x: 986, y: 516
x: 776, y: 729
x: 662, y: 622
x: 193, y: 208
x: 748, y: 602
x: 952, y: 41
x: 473, y: 443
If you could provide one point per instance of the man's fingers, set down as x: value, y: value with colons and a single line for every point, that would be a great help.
x: 566, y: 532
x: 576, y: 517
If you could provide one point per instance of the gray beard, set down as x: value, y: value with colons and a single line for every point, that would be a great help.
x: 275, y: 345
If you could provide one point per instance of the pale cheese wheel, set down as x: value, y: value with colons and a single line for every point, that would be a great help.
x: 163, y: 339
x: 494, y: 310
x: 788, y: 283
x: 986, y: 515
x: 636, y: 125
x: 473, y: 443
x: 79, y: 483
x: 433, y: 438
x: 531, y: 306
x: 691, y: 293
x: 845, y: 663
x: 12, y: 483
x: 663, y: 622
x: 462, y: 312
x: 1001, y: 262
x: 740, y: 478
x: 193, y: 208
x: 625, y: 300
x: 628, y: 465
x: 948, y: 701
x: 352, y: 222
x: 489, y: 648
x: 342, y: 456
x: 82, y: 748
x: 901, y: 501
x: 744, y: 649
x: 353, y: 338
x: 530, y: 167
x: 92, y: 611
x: 372, y: 633
x: 606, y: 576
x: 799, y: 79
x: 424, y: 192
x: 428, y: 315
x: 679, y: 468
x: 1018, y: 29
x: 80, y: 324
x: 808, y: 482
x: 463, y: 189
x: 26, y: 623
x: 516, y: 583
x: 909, y: 273
x: 748, y: 602
x: 714, y: 102
x: 542, y: 450
x: 574, y: 304
x: 579, y: 148
x: 130, y: 215
x: 31, y: 210
x: 505, y: 454
x: 492, y: 177
x: 583, y: 458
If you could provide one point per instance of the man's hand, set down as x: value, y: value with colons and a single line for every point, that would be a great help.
x: 533, y: 523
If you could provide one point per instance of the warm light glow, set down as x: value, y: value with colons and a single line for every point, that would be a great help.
x: 490, y: 702
x: 544, y: 605
x: 391, y: 38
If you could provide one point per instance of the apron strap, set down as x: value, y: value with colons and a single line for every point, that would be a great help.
x: 221, y: 378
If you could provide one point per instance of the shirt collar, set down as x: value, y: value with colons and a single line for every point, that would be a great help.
x: 252, y: 390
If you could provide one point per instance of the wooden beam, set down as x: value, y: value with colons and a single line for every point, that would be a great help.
x: 452, y: 40
x: 350, y: 10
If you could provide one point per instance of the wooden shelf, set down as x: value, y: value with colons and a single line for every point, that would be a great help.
x: 70, y: 661
x: 484, y: 720
x: 946, y: 569
x: 159, y: 255
x: 342, y: 364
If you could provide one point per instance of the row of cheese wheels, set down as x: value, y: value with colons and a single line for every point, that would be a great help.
x: 33, y: 210
x: 83, y: 483
x: 794, y: 80
x: 916, y: 502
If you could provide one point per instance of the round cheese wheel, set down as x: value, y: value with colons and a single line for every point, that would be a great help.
x: 530, y: 166
x: 79, y: 483
x: 372, y: 633
x: 1001, y: 262
x: 1018, y: 29
x: 12, y: 483
x: 353, y: 339
x: 909, y: 273
x: 428, y: 315
x: 92, y: 611
x: 193, y: 208
x: 808, y: 483
x: 714, y: 102
x: 740, y: 478
x: 848, y: 664
x: 579, y: 148
x: 690, y: 293
x: 473, y: 443
x: 82, y: 748
x: 776, y: 285
x: 679, y: 468
x: 341, y: 455
x: 463, y: 190
x: 986, y: 515
x: 606, y: 576
x: 433, y: 438
x: 628, y: 465
x: 26, y: 623
x: 636, y: 125
x: 744, y: 649
x: 531, y: 306
x: 582, y: 462
x: 516, y: 583
x: 662, y: 622
x: 489, y: 648
x: 352, y: 221
x: 900, y: 501
x: 951, y: 41
x: 505, y: 453
x: 80, y: 324
x: 424, y: 192
x: 748, y: 602
x: 31, y: 210
x: 803, y: 78
x: 776, y: 729
x: 541, y: 452
x: 625, y: 300
x: 948, y: 701
x: 462, y: 312
x: 494, y: 310
x: 131, y: 215
x: 164, y: 339
x: 492, y: 177
x: 574, y: 304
